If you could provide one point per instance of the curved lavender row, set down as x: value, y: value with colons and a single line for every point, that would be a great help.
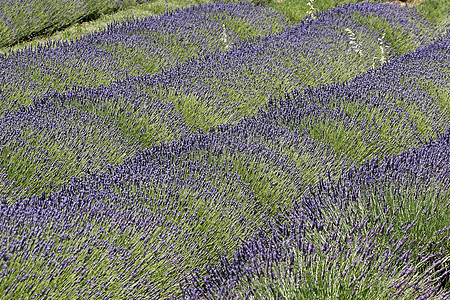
x: 206, y: 190
x: 154, y: 217
x: 143, y: 46
x: 223, y: 87
x: 43, y: 145
x: 387, y: 109
x: 366, y: 116
x: 20, y: 19
x: 379, y: 231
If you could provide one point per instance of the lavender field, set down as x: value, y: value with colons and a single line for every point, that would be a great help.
x: 226, y: 151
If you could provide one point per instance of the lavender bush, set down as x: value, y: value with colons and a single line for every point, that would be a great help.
x: 380, y: 231
x: 144, y: 46
x: 237, y: 170
x: 43, y: 144
x: 174, y: 208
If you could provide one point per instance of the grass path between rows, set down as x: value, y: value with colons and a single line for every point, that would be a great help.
x: 295, y: 10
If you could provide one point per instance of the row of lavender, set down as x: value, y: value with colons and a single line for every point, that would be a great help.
x: 143, y: 46
x: 221, y: 88
x: 139, y: 229
x: 312, y: 53
x: 44, y: 144
x: 382, y: 231
x: 21, y: 19
x: 66, y: 134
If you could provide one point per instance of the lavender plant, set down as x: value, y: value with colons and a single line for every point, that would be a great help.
x: 244, y: 173
x: 135, y: 47
x: 380, y: 231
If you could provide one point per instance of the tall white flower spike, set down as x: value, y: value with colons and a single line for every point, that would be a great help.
x: 355, y: 45
x: 311, y: 9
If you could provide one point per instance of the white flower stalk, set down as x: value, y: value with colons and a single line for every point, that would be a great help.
x: 225, y: 38
x: 355, y: 45
x: 383, y: 50
x: 311, y: 9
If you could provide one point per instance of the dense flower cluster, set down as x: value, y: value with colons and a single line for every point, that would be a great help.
x: 380, y: 231
x: 143, y: 46
x: 42, y: 144
x: 137, y: 229
x: 215, y: 88
x: 144, y: 187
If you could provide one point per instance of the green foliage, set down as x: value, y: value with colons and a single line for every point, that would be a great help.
x: 144, y: 127
x: 41, y: 161
x: 434, y: 10
x: 355, y: 273
x: 296, y: 10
